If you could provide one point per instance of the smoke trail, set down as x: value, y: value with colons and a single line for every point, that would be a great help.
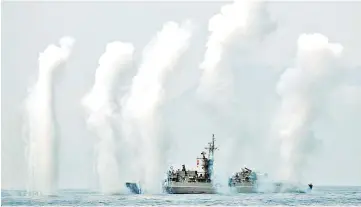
x: 303, y: 90
x: 147, y: 96
x: 237, y: 22
x: 42, y: 138
x: 102, y: 104
x: 245, y: 23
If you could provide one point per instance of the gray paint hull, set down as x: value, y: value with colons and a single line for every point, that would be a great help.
x: 203, y: 188
x: 243, y: 189
x: 189, y: 188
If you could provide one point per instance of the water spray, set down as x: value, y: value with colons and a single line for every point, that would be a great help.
x: 142, y: 107
x: 102, y: 104
x: 303, y: 90
x: 42, y: 137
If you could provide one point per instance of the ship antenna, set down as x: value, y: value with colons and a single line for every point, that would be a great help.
x: 211, y: 148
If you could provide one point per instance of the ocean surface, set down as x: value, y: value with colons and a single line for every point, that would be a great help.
x: 319, y: 196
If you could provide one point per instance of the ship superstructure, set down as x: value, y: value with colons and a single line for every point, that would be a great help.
x: 193, y: 181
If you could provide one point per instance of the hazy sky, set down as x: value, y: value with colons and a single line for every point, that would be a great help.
x: 27, y: 28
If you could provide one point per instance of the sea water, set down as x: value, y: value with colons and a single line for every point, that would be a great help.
x: 319, y: 196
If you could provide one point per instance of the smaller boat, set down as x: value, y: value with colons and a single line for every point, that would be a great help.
x: 248, y: 181
x: 134, y: 188
x: 244, y: 181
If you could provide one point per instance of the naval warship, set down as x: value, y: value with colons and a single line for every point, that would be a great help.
x: 193, y: 181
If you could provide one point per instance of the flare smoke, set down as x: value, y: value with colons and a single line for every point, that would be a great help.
x: 236, y: 22
x: 241, y: 23
x: 41, y: 122
x: 103, y: 107
x: 303, y: 90
x: 147, y: 96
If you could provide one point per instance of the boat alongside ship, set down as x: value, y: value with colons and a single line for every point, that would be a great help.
x: 245, y: 181
x: 248, y: 181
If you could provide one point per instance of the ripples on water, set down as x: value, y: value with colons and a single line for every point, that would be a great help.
x: 322, y: 196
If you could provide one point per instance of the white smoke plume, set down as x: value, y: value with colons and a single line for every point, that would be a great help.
x: 103, y: 106
x: 142, y: 110
x: 236, y: 22
x: 245, y: 24
x: 42, y: 137
x: 303, y: 90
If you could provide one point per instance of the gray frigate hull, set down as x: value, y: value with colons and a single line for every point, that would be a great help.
x: 244, y: 189
x: 203, y: 188
x: 189, y: 188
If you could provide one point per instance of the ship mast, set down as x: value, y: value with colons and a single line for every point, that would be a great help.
x: 211, y: 148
